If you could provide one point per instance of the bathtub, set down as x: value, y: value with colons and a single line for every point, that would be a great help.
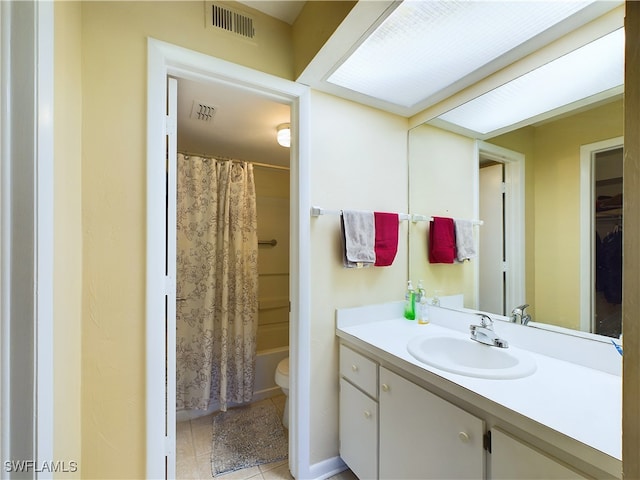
x: 264, y: 385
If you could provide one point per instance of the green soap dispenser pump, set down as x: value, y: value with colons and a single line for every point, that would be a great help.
x: 410, y: 302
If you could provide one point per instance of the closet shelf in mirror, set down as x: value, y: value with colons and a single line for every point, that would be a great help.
x: 613, y: 213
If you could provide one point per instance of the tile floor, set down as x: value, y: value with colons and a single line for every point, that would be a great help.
x: 193, y: 454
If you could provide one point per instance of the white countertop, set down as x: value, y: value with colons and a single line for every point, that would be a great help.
x: 583, y: 403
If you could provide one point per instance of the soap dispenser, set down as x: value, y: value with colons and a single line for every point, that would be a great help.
x: 410, y: 302
x: 422, y: 305
x: 419, y: 294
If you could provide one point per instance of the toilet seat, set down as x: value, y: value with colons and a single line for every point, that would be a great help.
x: 282, y: 380
x: 282, y: 373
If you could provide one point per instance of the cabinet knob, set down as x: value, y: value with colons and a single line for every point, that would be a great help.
x: 385, y: 387
x: 464, y: 437
x: 354, y: 367
x: 367, y: 414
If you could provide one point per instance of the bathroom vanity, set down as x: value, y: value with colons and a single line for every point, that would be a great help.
x: 403, y: 418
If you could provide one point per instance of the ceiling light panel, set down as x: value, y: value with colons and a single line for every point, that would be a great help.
x: 425, y: 46
x: 587, y: 71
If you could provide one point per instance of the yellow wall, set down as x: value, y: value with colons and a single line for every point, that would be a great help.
x: 67, y: 236
x: 363, y: 167
x: 272, y: 201
x: 441, y: 183
x: 315, y: 24
x: 113, y: 43
x: 631, y: 276
x: 112, y: 46
x: 358, y: 161
x: 553, y: 188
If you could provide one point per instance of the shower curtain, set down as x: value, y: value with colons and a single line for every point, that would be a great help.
x: 217, y: 282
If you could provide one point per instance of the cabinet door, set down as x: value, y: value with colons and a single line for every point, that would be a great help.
x: 358, y: 431
x: 423, y: 436
x: 512, y: 459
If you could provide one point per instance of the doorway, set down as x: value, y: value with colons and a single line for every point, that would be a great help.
x: 601, y: 235
x: 223, y: 122
x: 169, y: 60
x: 500, y: 282
x: 608, y: 232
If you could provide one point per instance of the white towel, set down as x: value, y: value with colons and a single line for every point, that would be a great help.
x: 465, y: 246
x: 358, y: 230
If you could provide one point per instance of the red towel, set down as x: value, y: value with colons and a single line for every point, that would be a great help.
x: 442, y: 240
x: 386, y: 240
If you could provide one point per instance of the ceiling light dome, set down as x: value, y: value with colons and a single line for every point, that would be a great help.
x: 284, y: 134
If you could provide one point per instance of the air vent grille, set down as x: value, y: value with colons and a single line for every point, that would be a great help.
x: 231, y: 21
x: 202, y: 112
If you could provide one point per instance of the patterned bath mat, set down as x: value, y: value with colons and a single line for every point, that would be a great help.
x: 247, y: 436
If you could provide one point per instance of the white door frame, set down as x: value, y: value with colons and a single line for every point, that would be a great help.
x: 514, y: 164
x: 587, y: 245
x: 26, y: 238
x: 166, y: 59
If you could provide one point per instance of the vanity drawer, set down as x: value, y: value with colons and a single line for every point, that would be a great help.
x: 359, y: 370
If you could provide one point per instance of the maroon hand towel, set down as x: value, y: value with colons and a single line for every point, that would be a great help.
x: 442, y: 240
x: 386, y: 240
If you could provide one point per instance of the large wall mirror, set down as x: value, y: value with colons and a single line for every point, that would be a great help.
x: 552, y: 230
x: 447, y: 178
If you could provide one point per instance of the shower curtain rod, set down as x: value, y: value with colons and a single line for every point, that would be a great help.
x: 219, y: 157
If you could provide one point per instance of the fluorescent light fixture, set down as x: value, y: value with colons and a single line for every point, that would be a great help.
x: 425, y: 46
x: 582, y: 73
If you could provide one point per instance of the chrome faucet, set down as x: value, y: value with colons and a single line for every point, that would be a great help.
x: 484, y: 333
x: 518, y: 315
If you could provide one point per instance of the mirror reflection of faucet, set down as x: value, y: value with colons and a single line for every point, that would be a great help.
x: 484, y: 333
x: 518, y: 315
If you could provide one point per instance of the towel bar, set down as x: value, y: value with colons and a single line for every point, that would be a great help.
x: 425, y: 218
x: 273, y: 242
x: 317, y: 211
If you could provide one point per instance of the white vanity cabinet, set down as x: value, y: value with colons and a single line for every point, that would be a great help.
x: 359, y: 413
x: 392, y: 428
x: 512, y: 459
x: 423, y: 436
x: 435, y: 424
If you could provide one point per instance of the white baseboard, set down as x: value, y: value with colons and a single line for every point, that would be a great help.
x: 326, y: 468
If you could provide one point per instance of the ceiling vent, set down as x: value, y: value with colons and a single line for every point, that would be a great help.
x: 230, y: 21
x: 203, y: 112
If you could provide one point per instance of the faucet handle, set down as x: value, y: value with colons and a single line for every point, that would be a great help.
x: 483, y: 320
x: 520, y: 310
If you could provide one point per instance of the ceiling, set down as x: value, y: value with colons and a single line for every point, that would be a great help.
x: 244, y: 124
x: 285, y: 10
x: 405, y: 57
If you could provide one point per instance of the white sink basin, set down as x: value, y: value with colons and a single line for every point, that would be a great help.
x: 468, y: 357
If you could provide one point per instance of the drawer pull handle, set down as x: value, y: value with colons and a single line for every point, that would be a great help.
x: 464, y: 437
x: 367, y: 414
x: 354, y: 367
x: 385, y: 387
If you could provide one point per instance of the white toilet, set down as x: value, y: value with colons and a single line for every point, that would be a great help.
x: 282, y: 380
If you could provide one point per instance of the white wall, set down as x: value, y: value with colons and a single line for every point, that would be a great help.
x: 358, y: 161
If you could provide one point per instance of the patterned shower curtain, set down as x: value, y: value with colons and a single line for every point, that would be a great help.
x: 217, y: 282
